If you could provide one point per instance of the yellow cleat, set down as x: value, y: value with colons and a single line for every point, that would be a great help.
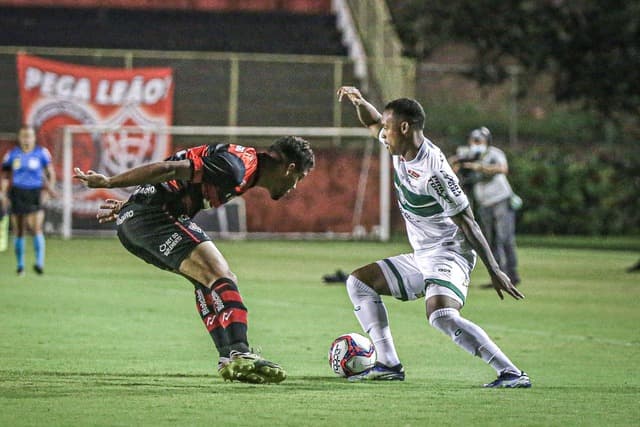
x: 250, y: 368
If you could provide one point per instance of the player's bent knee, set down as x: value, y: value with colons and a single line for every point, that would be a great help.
x: 372, y: 276
x: 358, y: 289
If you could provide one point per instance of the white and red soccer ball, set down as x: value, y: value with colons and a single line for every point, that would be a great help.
x: 351, y: 354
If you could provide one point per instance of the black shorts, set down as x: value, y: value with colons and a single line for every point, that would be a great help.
x: 154, y: 235
x: 24, y: 201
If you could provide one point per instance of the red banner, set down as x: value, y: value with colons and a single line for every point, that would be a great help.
x: 54, y: 94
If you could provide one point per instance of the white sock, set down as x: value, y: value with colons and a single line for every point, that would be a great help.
x: 372, y: 315
x: 472, y: 338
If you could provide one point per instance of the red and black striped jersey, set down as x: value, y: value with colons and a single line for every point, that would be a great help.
x: 220, y: 173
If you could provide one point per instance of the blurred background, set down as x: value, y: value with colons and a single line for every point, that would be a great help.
x: 555, y: 81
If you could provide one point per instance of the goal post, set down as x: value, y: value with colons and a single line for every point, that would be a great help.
x: 330, y: 145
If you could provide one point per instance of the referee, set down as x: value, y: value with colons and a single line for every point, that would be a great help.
x: 26, y: 171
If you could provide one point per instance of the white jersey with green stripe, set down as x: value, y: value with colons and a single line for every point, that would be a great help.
x: 428, y: 195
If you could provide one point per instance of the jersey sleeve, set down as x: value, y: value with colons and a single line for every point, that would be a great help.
x: 195, y: 155
x: 45, y: 156
x: 443, y: 185
x: 223, y: 168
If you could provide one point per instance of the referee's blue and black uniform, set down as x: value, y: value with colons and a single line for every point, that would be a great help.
x: 27, y: 180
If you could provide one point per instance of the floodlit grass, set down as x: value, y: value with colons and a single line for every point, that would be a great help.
x: 104, y: 339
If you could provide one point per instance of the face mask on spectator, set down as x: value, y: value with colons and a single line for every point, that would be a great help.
x: 478, y: 148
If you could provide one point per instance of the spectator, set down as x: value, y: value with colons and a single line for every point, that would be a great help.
x: 486, y: 168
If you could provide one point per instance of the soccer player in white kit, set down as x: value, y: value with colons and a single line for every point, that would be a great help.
x: 445, y: 238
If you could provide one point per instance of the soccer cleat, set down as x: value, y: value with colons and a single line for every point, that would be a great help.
x: 20, y: 271
x: 38, y: 269
x: 380, y: 372
x: 222, y: 364
x: 338, y: 277
x: 510, y: 380
x: 250, y: 368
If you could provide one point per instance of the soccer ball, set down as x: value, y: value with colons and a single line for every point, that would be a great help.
x: 351, y: 354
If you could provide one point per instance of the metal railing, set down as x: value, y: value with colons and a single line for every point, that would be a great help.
x: 394, y: 73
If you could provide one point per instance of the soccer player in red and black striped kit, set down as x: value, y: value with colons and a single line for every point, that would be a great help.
x: 155, y: 225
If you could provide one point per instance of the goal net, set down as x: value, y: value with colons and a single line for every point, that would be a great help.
x: 346, y: 196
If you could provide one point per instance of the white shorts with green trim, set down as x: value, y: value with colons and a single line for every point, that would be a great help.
x: 428, y: 273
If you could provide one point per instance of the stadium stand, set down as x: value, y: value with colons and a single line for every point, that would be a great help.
x: 271, y: 90
x: 239, y: 31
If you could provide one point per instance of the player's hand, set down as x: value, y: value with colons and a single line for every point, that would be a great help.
x: 352, y: 93
x: 112, y: 209
x: 501, y: 283
x: 91, y: 178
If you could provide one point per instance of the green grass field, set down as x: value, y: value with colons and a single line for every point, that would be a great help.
x: 104, y: 339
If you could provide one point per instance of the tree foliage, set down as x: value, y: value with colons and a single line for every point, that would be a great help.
x: 591, y: 48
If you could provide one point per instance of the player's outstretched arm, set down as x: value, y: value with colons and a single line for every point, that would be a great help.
x: 151, y: 173
x: 367, y: 113
x: 467, y: 223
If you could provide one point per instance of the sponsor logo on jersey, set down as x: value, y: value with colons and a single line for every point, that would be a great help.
x: 226, y: 316
x: 413, y: 174
x: 167, y: 247
x: 452, y: 183
x: 122, y: 218
x: 437, y: 186
x: 145, y: 190
x: 33, y: 163
x: 443, y: 269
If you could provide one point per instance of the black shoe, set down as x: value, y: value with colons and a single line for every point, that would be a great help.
x: 38, y: 269
x: 20, y: 271
x: 635, y: 267
x: 338, y: 277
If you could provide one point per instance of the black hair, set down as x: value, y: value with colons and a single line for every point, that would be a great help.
x: 408, y: 110
x: 294, y: 149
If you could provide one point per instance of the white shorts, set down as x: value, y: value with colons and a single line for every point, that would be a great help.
x: 428, y: 273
